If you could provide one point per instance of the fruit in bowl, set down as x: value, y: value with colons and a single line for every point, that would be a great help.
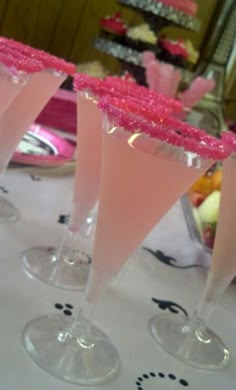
x: 204, y: 197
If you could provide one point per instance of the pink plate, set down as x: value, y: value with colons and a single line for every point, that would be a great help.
x: 43, y: 147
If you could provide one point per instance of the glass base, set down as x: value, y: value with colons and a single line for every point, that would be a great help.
x: 70, y: 271
x: 49, y: 342
x: 200, y: 349
x: 8, y: 212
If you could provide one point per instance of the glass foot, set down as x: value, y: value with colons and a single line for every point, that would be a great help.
x: 201, y: 349
x: 51, y: 344
x: 70, y: 270
x: 8, y: 212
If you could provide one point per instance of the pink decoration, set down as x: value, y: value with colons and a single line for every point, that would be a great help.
x: 196, y: 91
x: 165, y: 79
x: 176, y: 78
x: 153, y: 74
x: 161, y: 77
x: 147, y: 56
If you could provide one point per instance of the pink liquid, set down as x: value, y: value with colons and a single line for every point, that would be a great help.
x: 136, y: 190
x: 223, y: 261
x: 89, y: 139
x: 8, y: 90
x: 23, y: 111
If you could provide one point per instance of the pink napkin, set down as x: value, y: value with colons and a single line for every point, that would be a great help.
x: 60, y: 112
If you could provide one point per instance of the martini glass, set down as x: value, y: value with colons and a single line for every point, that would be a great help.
x: 15, y: 73
x: 190, y: 340
x: 66, y: 266
x: 28, y: 103
x: 11, y: 81
x: 138, y: 157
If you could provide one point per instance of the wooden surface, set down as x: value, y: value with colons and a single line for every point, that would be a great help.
x: 63, y: 27
x: 67, y: 27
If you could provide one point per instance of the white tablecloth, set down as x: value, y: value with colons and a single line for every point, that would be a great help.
x: 127, y: 307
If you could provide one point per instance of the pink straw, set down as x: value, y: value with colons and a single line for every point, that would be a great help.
x: 153, y: 74
x: 196, y: 91
x: 147, y: 56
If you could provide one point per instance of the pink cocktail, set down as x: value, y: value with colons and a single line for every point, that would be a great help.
x: 138, y: 155
x: 15, y: 73
x: 46, y: 75
x: 67, y: 266
x: 33, y: 97
x: 190, y: 340
x: 137, y: 172
x: 223, y: 263
x: 12, y: 80
x: 89, y: 120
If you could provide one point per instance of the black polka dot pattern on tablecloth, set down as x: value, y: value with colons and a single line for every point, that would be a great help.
x: 171, y: 306
x: 35, y: 178
x: 169, y: 260
x: 3, y: 190
x: 66, y: 308
x: 64, y: 219
x: 157, y: 377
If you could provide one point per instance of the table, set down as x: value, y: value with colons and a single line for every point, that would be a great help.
x: 127, y: 306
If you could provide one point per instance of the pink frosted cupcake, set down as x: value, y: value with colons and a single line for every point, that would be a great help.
x: 172, y: 51
x: 113, y: 27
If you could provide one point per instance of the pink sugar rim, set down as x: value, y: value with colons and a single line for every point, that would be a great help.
x: 21, y: 63
x: 214, y: 149
x: 146, y: 93
x: 83, y: 82
x: 159, y: 115
x: 229, y: 138
x: 49, y: 61
x: 101, y: 88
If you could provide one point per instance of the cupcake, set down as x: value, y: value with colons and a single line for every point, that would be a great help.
x: 172, y: 51
x: 113, y: 28
x: 141, y: 38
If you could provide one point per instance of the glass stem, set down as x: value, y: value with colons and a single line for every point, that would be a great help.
x: 196, y: 325
x: 215, y: 287
x: 76, y: 238
x: 95, y: 289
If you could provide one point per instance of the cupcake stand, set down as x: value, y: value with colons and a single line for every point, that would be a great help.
x: 157, y: 15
